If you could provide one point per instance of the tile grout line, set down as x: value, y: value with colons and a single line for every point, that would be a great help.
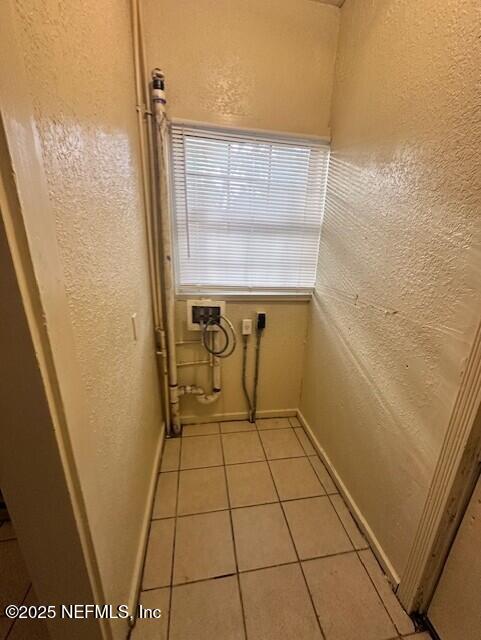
x: 226, y: 433
x: 353, y: 550
x: 15, y: 622
x: 295, y: 548
x: 279, y: 501
x: 377, y: 590
x: 142, y: 590
x: 233, y: 540
x: 171, y: 587
x: 300, y: 442
x: 231, y: 464
x: 255, y: 504
x: 356, y: 551
x: 336, y: 493
x: 269, y: 566
x: 224, y: 575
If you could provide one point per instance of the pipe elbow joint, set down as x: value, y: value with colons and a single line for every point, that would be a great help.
x: 209, y: 399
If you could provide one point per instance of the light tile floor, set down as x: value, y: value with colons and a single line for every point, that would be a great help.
x: 250, y: 540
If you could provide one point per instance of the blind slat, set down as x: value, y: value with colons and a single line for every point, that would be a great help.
x: 247, y: 210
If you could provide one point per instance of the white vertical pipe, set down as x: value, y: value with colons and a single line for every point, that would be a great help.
x: 216, y: 375
x: 143, y: 121
x: 160, y: 125
x: 141, y: 109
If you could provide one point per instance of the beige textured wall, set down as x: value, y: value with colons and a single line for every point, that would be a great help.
x: 265, y: 64
x: 82, y: 88
x: 398, y: 287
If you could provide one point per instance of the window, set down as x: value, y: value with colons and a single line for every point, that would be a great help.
x: 247, y: 211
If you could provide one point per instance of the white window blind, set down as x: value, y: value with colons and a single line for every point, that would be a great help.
x: 247, y: 210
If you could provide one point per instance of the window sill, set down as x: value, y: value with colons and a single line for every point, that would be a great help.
x: 244, y: 297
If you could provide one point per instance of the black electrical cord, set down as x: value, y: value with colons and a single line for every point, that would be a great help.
x: 222, y: 352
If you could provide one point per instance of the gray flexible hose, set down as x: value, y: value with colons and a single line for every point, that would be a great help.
x: 256, y: 373
x: 244, y: 381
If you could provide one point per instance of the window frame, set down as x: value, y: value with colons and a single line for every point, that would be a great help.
x: 235, y: 292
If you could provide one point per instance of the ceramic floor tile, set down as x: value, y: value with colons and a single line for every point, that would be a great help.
x: 204, y: 429
x: 323, y: 475
x: 242, y: 447
x: 315, y: 527
x: 158, y: 560
x: 165, y: 495
x: 295, y: 478
x: 261, y: 536
x: 153, y: 629
x: 356, y: 537
x: 273, y: 423
x: 277, y: 605
x: 14, y: 579
x: 232, y: 426
x: 281, y: 443
x: 201, y: 451
x: 203, y: 547
x: 207, y: 610
x: 202, y: 490
x: 305, y: 442
x: 250, y: 484
x: 346, y: 602
x: 350, y: 592
x: 402, y: 621
x: 170, y: 455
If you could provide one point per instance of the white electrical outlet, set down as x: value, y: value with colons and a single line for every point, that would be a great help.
x: 246, y: 327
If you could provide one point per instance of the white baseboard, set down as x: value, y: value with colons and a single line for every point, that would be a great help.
x: 144, y: 534
x: 241, y: 415
x: 353, y: 507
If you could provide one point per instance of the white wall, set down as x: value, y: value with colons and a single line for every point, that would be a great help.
x: 80, y: 73
x: 398, y: 287
x: 264, y: 64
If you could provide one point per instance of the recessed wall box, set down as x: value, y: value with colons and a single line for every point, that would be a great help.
x: 201, y: 311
